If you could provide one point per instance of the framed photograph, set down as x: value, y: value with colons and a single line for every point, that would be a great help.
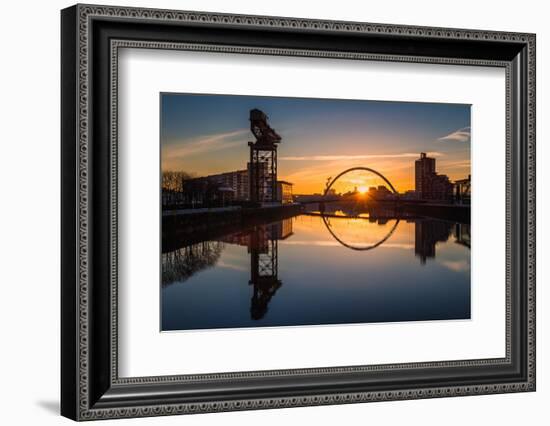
x: 263, y: 212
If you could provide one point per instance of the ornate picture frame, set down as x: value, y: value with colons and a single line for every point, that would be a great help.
x: 91, y: 37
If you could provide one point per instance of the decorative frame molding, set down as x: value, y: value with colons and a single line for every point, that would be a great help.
x: 91, y: 388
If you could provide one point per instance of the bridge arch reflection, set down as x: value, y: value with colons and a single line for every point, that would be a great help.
x: 264, y: 239
x: 355, y: 247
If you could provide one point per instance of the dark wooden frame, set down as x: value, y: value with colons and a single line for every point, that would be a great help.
x: 90, y: 386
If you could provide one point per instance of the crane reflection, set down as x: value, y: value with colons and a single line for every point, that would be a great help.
x: 262, y: 246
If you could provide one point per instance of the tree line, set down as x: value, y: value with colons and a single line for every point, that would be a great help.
x: 174, y: 181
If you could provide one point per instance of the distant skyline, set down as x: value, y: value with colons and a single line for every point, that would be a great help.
x: 208, y: 134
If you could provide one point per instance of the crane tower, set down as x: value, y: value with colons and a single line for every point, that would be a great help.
x: 262, y: 172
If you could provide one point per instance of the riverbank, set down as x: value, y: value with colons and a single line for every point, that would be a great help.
x: 180, y: 228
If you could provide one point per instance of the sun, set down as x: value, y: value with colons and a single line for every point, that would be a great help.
x: 362, y: 189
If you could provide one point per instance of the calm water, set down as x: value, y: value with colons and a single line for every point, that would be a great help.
x: 313, y: 269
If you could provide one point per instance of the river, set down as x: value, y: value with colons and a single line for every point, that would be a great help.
x: 314, y: 269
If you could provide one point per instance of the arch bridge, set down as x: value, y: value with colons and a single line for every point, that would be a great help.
x: 353, y: 169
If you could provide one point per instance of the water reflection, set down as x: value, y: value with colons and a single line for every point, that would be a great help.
x: 336, y: 267
x: 327, y: 221
x: 427, y: 234
x: 179, y: 265
x: 261, y: 242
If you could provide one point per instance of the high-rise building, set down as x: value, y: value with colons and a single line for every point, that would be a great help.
x: 428, y: 184
x: 424, y: 167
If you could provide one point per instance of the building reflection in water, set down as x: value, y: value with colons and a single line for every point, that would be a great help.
x: 261, y: 242
x: 262, y: 245
x: 429, y: 232
x: 462, y: 234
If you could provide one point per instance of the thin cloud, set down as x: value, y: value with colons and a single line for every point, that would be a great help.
x: 456, y: 265
x: 457, y: 164
x: 460, y: 135
x: 203, y: 144
x: 354, y: 157
x: 229, y: 265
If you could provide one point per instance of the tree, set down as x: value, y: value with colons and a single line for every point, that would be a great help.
x: 172, y: 181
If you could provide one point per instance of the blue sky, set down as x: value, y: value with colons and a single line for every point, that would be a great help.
x: 205, y: 134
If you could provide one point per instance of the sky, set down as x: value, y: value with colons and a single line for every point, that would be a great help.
x: 209, y: 134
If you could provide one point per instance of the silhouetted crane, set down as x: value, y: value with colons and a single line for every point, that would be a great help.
x: 262, y: 171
